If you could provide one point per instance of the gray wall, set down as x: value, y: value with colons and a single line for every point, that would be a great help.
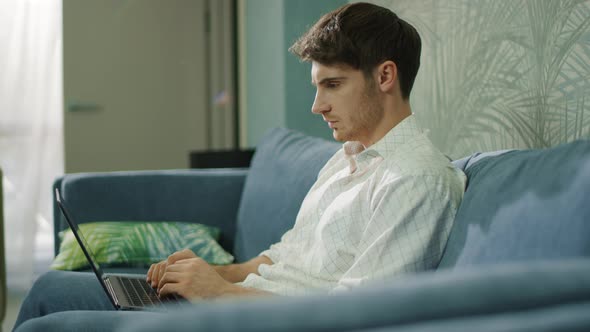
x: 278, y: 88
x: 501, y: 74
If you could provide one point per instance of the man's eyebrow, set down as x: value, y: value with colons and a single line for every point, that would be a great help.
x: 324, y: 80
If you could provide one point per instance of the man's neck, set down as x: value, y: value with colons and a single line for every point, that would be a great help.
x: 392, y: 117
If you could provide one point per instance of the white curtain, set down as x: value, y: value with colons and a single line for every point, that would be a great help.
x: 31, y: 139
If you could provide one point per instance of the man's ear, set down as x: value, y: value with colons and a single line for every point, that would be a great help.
x: 387, y: 76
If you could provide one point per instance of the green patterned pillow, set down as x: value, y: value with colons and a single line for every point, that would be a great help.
x: 138, y: 244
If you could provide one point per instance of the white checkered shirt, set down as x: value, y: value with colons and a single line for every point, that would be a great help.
x: 392, y: 215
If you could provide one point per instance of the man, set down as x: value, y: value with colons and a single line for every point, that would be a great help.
x: 381, y: 206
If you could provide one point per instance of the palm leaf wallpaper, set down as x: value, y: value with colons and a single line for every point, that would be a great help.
x: 501, y: 74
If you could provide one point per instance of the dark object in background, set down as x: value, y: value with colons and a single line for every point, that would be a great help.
x: 221, y: 159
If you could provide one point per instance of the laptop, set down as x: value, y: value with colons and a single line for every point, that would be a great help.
x: 126, y: 292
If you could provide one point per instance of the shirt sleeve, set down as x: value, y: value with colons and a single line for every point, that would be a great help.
x: 411, y: 219
x: 275, y: 250
x: 272, y: 253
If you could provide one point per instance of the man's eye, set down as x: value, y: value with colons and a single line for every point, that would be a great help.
x: 331, y: 85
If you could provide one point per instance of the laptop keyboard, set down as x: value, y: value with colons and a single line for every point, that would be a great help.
x: 140, y: 294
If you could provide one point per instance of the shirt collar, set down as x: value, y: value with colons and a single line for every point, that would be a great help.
x: 403, y: 132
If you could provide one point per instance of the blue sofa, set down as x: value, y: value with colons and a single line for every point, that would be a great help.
x: 517, y: 257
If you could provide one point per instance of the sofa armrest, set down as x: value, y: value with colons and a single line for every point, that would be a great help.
x: 432, y: 296
x: 207, y: 196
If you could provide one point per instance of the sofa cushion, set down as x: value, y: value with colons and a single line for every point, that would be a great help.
x: 284, y: 167
x: 524, y: 205
x: 466, y: 162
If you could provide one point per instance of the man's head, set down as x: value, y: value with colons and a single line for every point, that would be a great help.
x: 362, y: 36
x: 364, y: 62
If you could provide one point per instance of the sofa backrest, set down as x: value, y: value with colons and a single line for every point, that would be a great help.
x: 284, y: 167
x: 524, y: 205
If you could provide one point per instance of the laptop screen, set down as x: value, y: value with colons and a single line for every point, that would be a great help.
x: 79, y: 236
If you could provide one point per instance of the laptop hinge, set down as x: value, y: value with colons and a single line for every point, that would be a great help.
x: 112, y: 291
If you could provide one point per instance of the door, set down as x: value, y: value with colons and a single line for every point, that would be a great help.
x: 134, y: 84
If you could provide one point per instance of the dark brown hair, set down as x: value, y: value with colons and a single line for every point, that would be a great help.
x: 363, y: 35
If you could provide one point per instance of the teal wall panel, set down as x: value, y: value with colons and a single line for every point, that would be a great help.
x: 279, y: 90
x: 265, y: 67
x: 300, y: 16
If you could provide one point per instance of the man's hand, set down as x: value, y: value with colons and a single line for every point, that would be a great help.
x: 156, y: 271
x: 189, y: 276
x: 193, y: 278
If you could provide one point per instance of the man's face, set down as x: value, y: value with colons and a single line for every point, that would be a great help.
x: 347, y: 101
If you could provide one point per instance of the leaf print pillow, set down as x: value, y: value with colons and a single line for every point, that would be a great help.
x: 138, y: 244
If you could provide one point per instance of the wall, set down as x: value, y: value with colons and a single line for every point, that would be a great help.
x: 265, y: 70
x: 135, y: 84
x: 494, y: 74
x: 300, y: 16
x: 277, y: 86
x: 501, y: 74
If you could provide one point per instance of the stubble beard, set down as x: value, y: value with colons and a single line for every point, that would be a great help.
x: 364, y: 122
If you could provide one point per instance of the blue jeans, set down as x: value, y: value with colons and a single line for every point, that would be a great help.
x: 70, y: 301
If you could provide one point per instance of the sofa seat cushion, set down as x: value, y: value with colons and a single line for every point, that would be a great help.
x: 284, y: 167
x: 524, y: 205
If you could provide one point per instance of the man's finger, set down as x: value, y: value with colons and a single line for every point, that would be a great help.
x: 169, y: 277
x: 156, y: 275
x: 170, y: 289
x: 182, y: 254
x: 161, y: 270
x: 189, y: 260
x: 148, y: 276
x: 153, y: 276
x: 175, y: 267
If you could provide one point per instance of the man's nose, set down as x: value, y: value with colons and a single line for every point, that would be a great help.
x: 319, y: 105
